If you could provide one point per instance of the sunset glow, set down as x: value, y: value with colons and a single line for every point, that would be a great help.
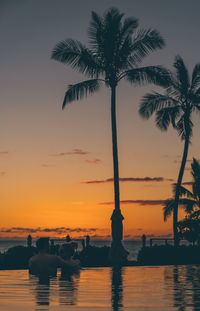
x: 56, y: 166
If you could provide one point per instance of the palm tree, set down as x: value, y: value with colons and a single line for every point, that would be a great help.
x: 189, y: 200
x: 114, y: 53
x: 175, y: 107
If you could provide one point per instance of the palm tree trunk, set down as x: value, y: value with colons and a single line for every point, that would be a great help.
x: 177, y: 193
x: 114, y: 148
x: 118, y: 254
x: 117, y: 218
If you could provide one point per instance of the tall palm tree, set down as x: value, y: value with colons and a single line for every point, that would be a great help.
x: 114, y: 53
x: 175, y: 107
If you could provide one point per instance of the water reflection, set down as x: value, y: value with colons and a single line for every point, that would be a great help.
x: 47, y: 289
x: 174, y: 287
x: 68, y: 289
x: 185, y: 283
x: 117, y: 289
x: 41, y: 290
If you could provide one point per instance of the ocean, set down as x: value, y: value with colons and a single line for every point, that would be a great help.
x: 132, y: 246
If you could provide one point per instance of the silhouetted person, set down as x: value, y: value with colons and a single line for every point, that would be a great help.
x: 45, y: 264
x: 87, y: 240
x: 67, y: 252
x: 29, y: 241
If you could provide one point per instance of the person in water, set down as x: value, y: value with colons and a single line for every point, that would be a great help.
x: 45, y: 264
x: 67, y: 252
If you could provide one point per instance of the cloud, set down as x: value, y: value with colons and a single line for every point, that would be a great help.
x: 2, y: 173
x: 140, y: 202
x: 58, y: 230
x: 73, y: 152
x: 93, y: 161
x: 128, y: 179
x: 4, y: 152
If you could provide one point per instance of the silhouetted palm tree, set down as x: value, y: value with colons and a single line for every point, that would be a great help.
x: 189, y: 200
x: 181, y: 98
x: 115, y: 51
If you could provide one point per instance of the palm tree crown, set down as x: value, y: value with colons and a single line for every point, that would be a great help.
x: 181, y: 98
x: 115, y: 50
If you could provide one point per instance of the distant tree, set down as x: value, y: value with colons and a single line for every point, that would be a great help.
x: 175, y: 107
x: 115, y: 50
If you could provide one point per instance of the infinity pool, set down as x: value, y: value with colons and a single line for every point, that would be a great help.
x: 131, y: 288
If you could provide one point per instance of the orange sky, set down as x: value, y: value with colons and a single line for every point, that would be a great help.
x: 47, y: 155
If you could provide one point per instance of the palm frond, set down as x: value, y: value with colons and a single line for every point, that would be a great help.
x: 167, y: 115
x: 150, y: 74
x: 187, y: 204
x: 195, y: 84
x: 80, y: 90
x: 183, y: 129
x: 124, y: 59
x: 105, y: 38
x: 182, y: 75
x: 168, y: 208
x: 152, y: 102
x: 196, y: 179
x: 146, y: 41
x: 185, y: 192
x: 74, y: 53
x: 128, y: 27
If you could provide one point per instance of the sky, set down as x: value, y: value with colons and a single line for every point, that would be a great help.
x: 56, y: 166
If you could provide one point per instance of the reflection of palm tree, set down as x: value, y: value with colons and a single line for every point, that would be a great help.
x: 114, y: 54
x: 182, y: 97
x: 117, y: 289
x: 185, y: 282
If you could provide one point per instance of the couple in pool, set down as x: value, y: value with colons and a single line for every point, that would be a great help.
x: 45, y: 264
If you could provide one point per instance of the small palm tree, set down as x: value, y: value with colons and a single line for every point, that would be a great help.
x: 189, y: 227
x: 114, y: 53
x: 175, y: 107
x: 189, y: 200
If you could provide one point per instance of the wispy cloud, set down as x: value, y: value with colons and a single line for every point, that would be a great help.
x: 4, y: 152
x: 73, y: 152
x: 58, y: 230
x: 93, y: 161
x: 2, y: 174
x: 140, y: 202
x: 48, y: 165
x: 128, y: 179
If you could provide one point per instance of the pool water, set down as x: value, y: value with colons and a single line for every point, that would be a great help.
x: 131, y: 288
